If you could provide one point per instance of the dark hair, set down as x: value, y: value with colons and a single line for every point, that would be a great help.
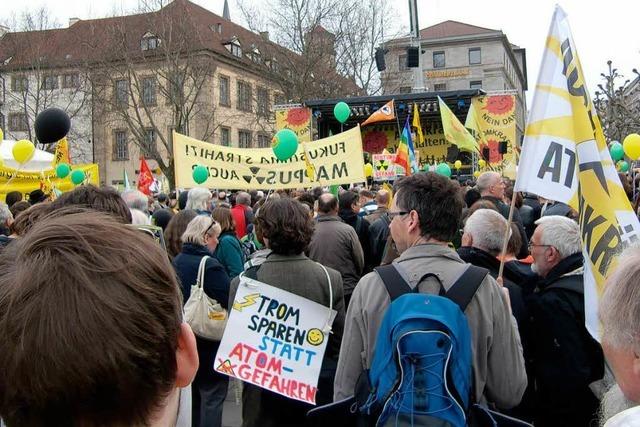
x: 182, y: 200
x: 480, y: 204
x: 515, y: 241
x: 92, y: 323
x: 316, y: 193
x: 12, y: 198
x: 176, y: 226
x: 18, y: 207
x: 307, y: 199
x: 347, y: 199
x: 28, y: 218
x: 366, y: 193
x: 327, y: 203
x: 162, y: 198
x: 436, y: 199
x: 471, y: 196
x: 287, y: 225
x: 222, y: 215
x: 102, y: 199
x: 161, y: 217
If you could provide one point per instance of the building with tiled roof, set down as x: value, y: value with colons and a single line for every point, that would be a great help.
x: 143, y: 75
x: 458, y: 56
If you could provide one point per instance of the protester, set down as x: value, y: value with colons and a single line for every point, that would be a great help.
x: 242, y: 214
x: 199, y: 200
x: 382, y: 203
x: 28, y: 218
x: 163, y: 201
x: 229, y: 251
x: 424, y: 216
x: 526, y: 212
x: 103, y: 199
x: 139, y: 218
x: 366, y: 203
x: 182, y: 200
x: 336, y: 244
x: 348, y: 212
x: 619, y: 314
x: 37, y: 196
x: 566, y: 358
x: 98, y: 336
x: 6, y: 219
x: 287, y: 230
x: 379, y: 237
x: 175, y: 228
x: 209, y: 387
x: 161, y: 217
x: 12, y: 198
x: 18, y: 207
x: 491, y: 188
x: 136, y: 199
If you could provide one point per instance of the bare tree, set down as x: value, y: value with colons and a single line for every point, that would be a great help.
x: 618, y: 110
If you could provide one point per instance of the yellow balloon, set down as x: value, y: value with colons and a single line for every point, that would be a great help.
x: 482, y: 163
x: 1, y: 135
x: 476, y: 174
x: 457, y: 164
x: 23, y: 151
x: 368, y: 170
x: 631, y: 145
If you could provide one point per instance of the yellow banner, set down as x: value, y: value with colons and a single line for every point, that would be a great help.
x: 26, y: 182
x: 296, y: 119
x: 432, y: 150
x: 336, y: 160
x: 495, y: 116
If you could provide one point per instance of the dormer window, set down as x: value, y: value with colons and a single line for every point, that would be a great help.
x: 149, y: 42
x: 256, y: 56
x: 234, y: 47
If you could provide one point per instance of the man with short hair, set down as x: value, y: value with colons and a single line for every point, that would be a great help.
x: 619, y: 314
x: 367, y: 203
x: 242, y: 213
x: 382, y: 203
x: 566, y: 359
x: 491, y: 187
x: 136, y: 199
x: 336, y: 245
x: 103, y: 199
x: 97, y: 338
x: 424, y: 217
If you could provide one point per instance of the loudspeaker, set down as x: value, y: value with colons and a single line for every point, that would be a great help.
x: 452, y: 153
x: 413, y: 57
x: 486, y: 153
x: 380, y: 64
x: 502, y: 148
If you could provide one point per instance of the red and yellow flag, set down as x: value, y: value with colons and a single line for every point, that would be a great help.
x: 145, y: 178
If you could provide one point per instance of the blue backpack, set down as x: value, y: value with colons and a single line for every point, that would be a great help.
x: 421, y: 371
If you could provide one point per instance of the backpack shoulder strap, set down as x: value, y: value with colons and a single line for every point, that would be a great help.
x: 463, y: 290
x: 393, y: 281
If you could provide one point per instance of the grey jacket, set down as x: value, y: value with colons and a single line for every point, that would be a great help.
x: 335, y: 244
x: 498, y: 363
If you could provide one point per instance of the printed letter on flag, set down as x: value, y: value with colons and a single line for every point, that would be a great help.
x: 565, y: 158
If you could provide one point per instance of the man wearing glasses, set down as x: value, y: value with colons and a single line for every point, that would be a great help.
x: 425, y: 215
x: 566, y: 359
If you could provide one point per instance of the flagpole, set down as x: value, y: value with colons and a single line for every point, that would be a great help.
x: 505, y: 242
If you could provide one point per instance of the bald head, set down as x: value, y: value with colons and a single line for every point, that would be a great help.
x: 490, y: 184
x: 327, y: 204
x: 382, y: 198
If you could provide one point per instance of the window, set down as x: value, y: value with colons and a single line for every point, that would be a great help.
x: 122, y: 92
x: 279, y: 99
x: 18, y: 122
x: 120, y: 146
x: 244, y: 96
x: 70, y: 81
x: 263, y: 140
x: 234, y: 47
x: 149, y: 91
x: 19, y: 84
x: 474, y: 56
x: 402, y: 62
x: 225, y: 136
x: 244, y: 138
x: 438, y: 59
x: 405, y: 89
x: 256, y: 56
x: 475, y: 84
x: 440, y: 87
x: 225, y: 98
x: 263, y: 102
x: 149, y: 42
x: 149, y: 146
x: 176, y: 88
x: 50, y: 82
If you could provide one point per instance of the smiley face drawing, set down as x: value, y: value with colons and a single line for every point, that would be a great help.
x: 315, y: 336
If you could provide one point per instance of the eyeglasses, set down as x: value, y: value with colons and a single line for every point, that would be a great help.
x: 206, y: 233
x: 531, y: 245
x: 392, y: 215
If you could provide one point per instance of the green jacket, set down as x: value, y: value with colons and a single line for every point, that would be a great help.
x: 229, y: 253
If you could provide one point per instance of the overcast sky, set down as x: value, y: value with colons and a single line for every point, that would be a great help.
x: 602, y: 30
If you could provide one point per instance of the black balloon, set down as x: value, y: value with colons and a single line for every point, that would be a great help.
x: 52, y: 125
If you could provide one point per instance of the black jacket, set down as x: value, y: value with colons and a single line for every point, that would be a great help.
x: 378, y: 235
x: 566, y: 358
x: 503, y: 208
x: 362, y: 230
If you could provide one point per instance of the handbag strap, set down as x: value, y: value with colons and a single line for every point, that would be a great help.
x: 327, y: 326
x: 201, y: 269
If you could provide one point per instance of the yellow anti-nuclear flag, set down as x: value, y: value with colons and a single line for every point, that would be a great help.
x: 61, y: 154
x: 565, y: 158
x: 454, y: 132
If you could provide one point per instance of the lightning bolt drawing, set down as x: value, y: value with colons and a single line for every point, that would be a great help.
x: 249, y: 300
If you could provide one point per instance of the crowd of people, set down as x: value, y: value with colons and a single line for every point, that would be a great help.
x: 91, y: 307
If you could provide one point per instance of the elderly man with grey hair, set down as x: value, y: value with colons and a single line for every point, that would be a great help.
x: 199, y: 200
x: 565, y: 357
x: 6, y: 219
x: 491, y: 188
x: 619, y: 313
x: 242, y: 214
x: 136, y: 199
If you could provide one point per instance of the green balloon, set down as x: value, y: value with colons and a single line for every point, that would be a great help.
x: 623, y: 166
x: 443, y: 169
x: 200, y: 174
x: 285, y: 144
x: 63, y: 170
x: 617, y: 151
x: 341, y: 111
x: 77, y: 177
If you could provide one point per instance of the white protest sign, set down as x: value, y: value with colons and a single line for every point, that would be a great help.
x: 274, y: 339
x: 385, y: 167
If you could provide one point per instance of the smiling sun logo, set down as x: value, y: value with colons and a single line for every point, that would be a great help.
x: 315, y: 336
x: 500, y: 105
